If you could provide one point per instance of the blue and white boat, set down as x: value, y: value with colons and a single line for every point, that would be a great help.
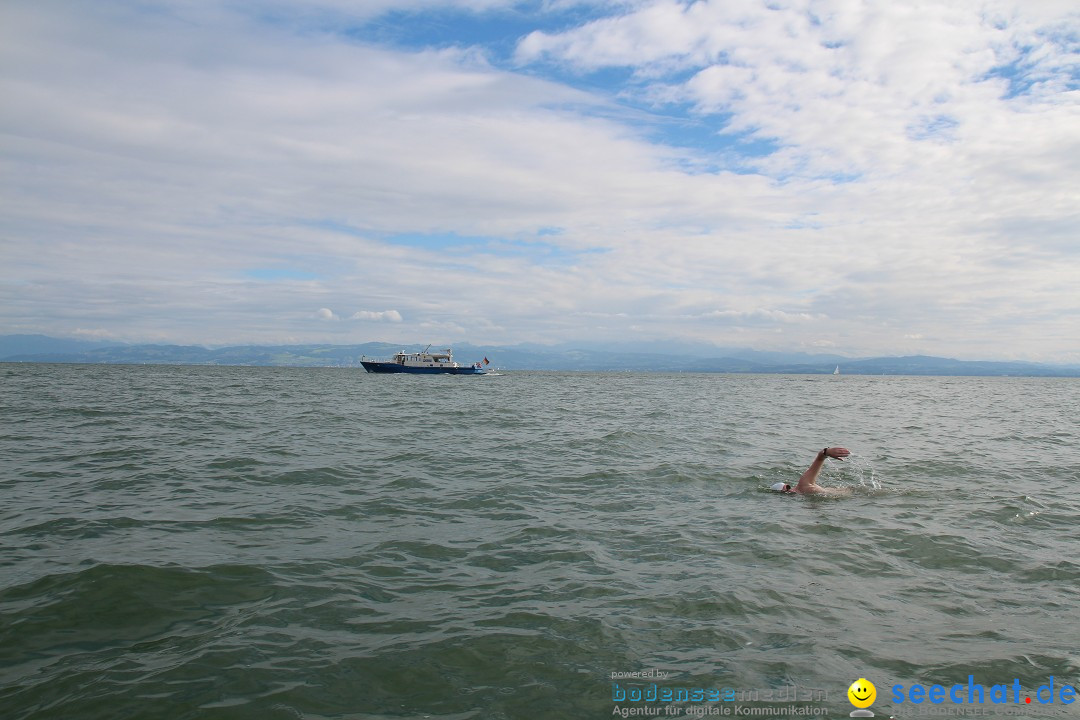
x: 423, y: 363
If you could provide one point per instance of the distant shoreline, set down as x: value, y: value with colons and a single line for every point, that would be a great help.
x: 44, y: 349
x: 810, y: 372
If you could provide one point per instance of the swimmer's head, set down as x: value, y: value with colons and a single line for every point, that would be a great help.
x: 782, y: 487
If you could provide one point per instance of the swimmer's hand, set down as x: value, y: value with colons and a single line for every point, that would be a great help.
x: 837, y: 452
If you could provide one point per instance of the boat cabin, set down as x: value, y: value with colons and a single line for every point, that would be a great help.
x: 425, y: 359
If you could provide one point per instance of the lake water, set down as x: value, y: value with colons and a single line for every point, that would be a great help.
x: 228, y: 542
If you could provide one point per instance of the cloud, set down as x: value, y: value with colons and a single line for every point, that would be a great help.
x: 844, y: 87
x: 94, y: 333
x: 761, y: 315
x: 382, y: 316
x: 842, y: 172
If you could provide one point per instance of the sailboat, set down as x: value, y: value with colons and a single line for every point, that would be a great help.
x: 836, y: 371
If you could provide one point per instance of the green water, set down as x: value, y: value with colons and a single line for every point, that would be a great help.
x: 197, y: 542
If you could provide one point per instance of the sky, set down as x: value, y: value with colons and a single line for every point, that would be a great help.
x: 843, y: 176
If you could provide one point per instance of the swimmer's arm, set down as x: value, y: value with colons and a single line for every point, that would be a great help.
x: 809, y: 478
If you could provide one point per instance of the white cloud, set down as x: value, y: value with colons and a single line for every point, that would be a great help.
x: 151, y: 162
x: 842, y: 86
x: 94, y: 333
x: 377, y: 316
x: 761, y: 315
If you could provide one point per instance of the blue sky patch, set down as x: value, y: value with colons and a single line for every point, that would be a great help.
x: 537, y: 250
x: 937, y: 127
x: 498, y: 31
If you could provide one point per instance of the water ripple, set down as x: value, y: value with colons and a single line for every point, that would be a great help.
x: 261, y: 542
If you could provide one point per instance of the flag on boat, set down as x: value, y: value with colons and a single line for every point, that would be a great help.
x: 486, y: 361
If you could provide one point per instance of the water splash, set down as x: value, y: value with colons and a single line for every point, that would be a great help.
x: 855, y: 471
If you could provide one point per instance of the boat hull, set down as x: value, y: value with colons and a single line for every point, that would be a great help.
x: 389, y: 367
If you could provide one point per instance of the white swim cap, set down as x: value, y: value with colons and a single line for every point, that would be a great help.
x: 778, y: 487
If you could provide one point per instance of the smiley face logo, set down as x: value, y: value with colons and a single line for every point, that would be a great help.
x: 862, y: 693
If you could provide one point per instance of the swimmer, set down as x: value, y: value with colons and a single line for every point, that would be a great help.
x: 808, y: 482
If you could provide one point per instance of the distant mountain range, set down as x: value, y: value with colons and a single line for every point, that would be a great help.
x: 40, y: 348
